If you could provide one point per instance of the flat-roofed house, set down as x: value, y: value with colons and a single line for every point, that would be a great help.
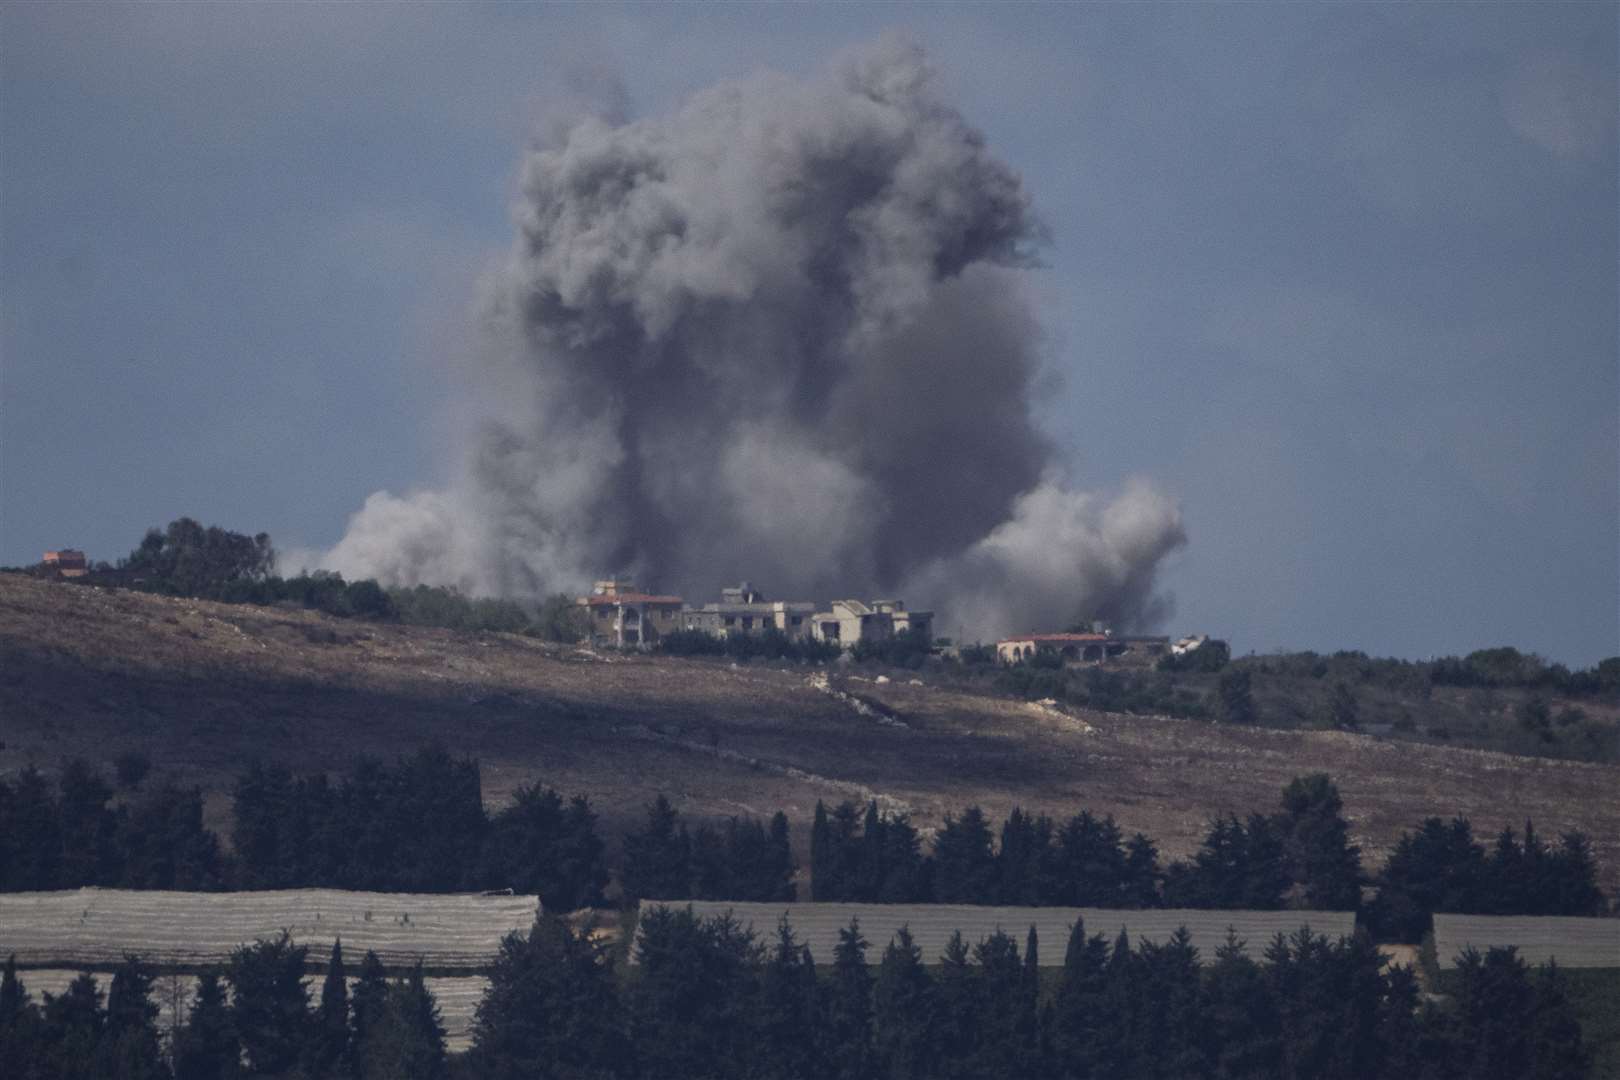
x: 621, y: 616
x: 744, y: 610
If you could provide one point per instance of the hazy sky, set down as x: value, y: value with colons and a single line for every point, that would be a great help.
x: 1341, y: 278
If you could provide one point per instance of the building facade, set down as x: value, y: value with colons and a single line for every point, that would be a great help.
x: 619, y: 615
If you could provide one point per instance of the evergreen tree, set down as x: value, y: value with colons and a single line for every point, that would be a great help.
x: 89, y: 827
x: 691, y: 1005
x: 904, y: 1040
x: 1556, y: 1046
x: 30, y: 835
x: 956, y: 1016
x: 1119, y: 1022
x: 269, y: 1005
x: 1169, y: 1007
x: 905, y: 874
x: 824, y: 883
x: 1091, y: 863
x: 71, y: 1032
x: 657, y: 860
x: 964, y: 866
x: 1324, y: 865
x: 540, y: 845
x: 330, y: 1044
x: 1141, y: 885
x: 1025, y: 860
x: 779, y: 866
x: 552, y: 1009
x: 1076, y: 1035
x: 786, y: 1048
x: 1438, y: 868
x: 130, y: 1043
x: 207, y: 1047
x: 1031, y: 1051
x: 22, y: 1044
x: 1240, y: 1034
x: 848, y: 1049
x: 1401, y: 1034
x: 163, y: 842
x: 1571, y: 879
x: 998, y: 989
x: 406, y: 1040
x: 1495, y: 1004
x: 366, y: 1005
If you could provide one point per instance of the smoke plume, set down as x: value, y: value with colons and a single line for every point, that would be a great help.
x: 781, y: 334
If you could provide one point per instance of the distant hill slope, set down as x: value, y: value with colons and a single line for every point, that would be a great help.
x: 202, y: 687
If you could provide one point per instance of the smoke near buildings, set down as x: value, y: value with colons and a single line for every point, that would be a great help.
x: 782, y: 333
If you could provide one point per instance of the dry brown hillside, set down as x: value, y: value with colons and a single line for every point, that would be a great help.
x: 200, y: 687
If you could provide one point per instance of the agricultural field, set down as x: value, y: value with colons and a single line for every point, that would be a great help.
x: 201, y: 688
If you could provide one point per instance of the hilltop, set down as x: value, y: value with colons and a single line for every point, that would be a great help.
x: 202, y: 687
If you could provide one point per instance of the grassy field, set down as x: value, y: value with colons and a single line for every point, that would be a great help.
x: 202, y: 687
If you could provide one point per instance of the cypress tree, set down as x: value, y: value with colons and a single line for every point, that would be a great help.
x: 904, y: 1041
x: 691, y: 1006
x: 956, y: 1011
x: 1076, y: 1037
x: 1030, y: 1050
x: 1495, y: 1001
x: 785, y: 1010
x: 1170, y: 1017
x: 823, y: 875
x: 1240, y: 1033
x: 848, y: 1045
x: 21, y: 1038
x: 1556, y: 1047
x: 207, y: 1047
x: 406, y: 1041
x: 779, y: 868
x: 72, y: 1028
x: 997, y: 989
x: 366, y: 1006
x: 13, y: 996
x: 1324, y: 866
x: 330, y: 1043
x: 131, y: 1040
x: 1119, y: 1022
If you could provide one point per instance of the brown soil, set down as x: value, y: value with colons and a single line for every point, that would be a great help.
x: 201, y: 688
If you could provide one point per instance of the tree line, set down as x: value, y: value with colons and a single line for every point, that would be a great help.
x: 420, y: 825
x: 707, y: 999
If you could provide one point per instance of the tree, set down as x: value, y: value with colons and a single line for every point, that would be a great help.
x: 956, y: 1015
x: 164, y: 844
x: 787, y: 1039
x: 691, y: 1008
x: 72, y: 1028
x: 207, y: 1047
x: 539, y: 845
x: 1241, y: 1016
x: 1496, y: 1004
x: 848, y: 1049
x: 21, y: 1038
x: 1076, y: 1033
x: 1324, y: 866
x: 904, y: 1041
x: 1571, y: 879
x: 964, y: 866
x: 131, y: 1040
x: 1024, y: 862
x: 270, y: 1007
x: 1004, y: 1028
x: 330, y: 1042
x: 1169, y: 988
x: 89, y: 827
x: 30, y: 834
x: 366, y: 1006
x: 657, y: 860
x: 406, y: 1039
x: 1343, y: 709
x: 552, y: 1009
x: 1234, y: 705
x: 1440, y: 867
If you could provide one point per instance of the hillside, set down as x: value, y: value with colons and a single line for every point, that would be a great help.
x: 203, y: 687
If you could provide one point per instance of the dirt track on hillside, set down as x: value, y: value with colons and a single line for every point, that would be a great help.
x: 202, y: 687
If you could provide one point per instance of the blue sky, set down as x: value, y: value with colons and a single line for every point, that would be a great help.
x: 1341, y: 278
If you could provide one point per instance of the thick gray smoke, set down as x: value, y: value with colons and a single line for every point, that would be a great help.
x: 782, y: 334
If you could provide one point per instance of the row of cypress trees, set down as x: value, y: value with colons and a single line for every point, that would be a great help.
x: 707, y: 1000
x: 254, y: 1017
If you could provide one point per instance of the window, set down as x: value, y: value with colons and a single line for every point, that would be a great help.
x: 748, y: 622
x: 731, y: 620
x: 798, y: 619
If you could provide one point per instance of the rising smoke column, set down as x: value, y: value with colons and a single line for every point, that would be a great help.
x: 784, y: 334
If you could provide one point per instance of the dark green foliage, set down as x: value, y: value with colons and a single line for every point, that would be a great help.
x: 956, y: 1017
x: 1319, y: 858
x: 1438, y: 868
x: 1170, y: 1008
x: 206, y: 1048
x: 164, y: 845
x: 405, y: 1038
x: 908, y: 649
x: 1025, y: 869
x: 787, y: 1046
x: 1077, y: 1036
x: 366, y: 1006
x: 692, y: 1006
x: 903, y: 1032
x: 1234, y: 698
x: 188, y: 560
x: 269, y: 1005
x: 539, y: 845
x: 1344, y: 711
x: 743, y: 861
x: 1240, y: 865
x: 658, y: 858
x: 1241, y: 1032
x: 768, y: 644
x: 847, y: 1044
x: 130, y: 1043
x: 552, y: 1009
x: 30, y: 834
x: 131, y: 768
x: 89, y: 827
x: 1003, y: 1006
x: 329, y: 1043
x: 71, y: 1032
x: 964, y: 865
x: 561, y: 619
